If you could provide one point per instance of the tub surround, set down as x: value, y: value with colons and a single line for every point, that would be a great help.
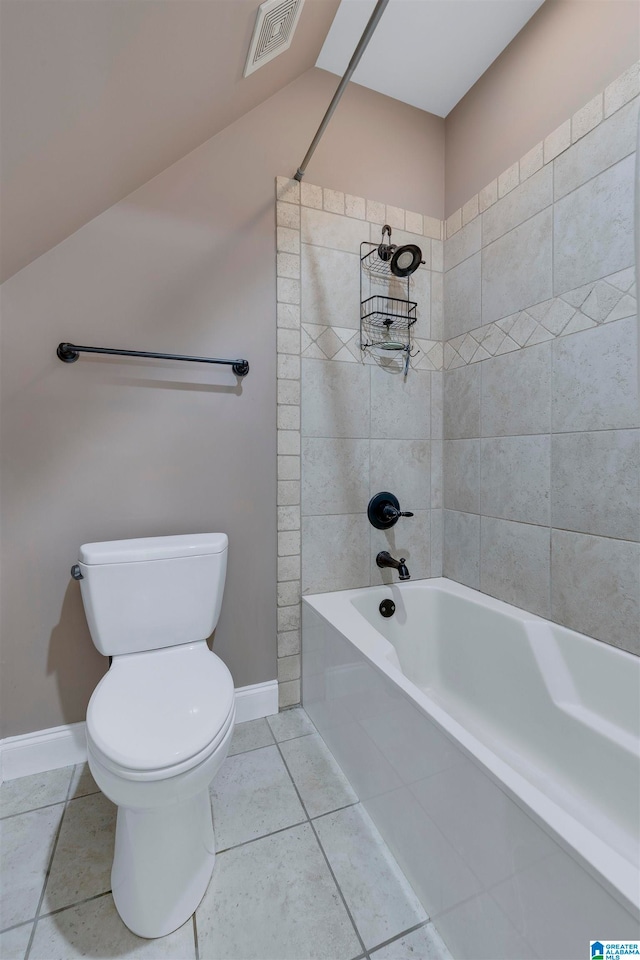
x: 523, y: 449
x: 496, y: 720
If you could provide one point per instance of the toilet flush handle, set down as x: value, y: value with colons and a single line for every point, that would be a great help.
x: 76, y: 573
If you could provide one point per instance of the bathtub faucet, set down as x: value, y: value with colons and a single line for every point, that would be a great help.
x: 384, y: 559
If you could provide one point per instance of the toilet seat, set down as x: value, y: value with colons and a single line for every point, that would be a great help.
x: 159, y: 713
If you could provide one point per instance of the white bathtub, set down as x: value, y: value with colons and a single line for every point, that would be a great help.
x: 498, y: 754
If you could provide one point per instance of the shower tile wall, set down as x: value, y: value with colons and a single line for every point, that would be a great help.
x: 349, y: 425
x: 527, y: 368
x: 542, y: 447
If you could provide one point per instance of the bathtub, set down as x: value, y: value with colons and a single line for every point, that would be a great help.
x: 499, y: 756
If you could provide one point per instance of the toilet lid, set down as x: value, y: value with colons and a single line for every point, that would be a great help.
x: 157, y: 709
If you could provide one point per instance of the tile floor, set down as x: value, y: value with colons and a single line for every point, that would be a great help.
x: 301, y: 873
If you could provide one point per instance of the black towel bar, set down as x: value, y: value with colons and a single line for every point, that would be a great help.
x: 69, y: 353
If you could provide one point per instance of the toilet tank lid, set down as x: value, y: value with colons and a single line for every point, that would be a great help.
x: 153, y: 548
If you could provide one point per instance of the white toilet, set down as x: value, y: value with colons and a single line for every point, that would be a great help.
x: 160, y: 722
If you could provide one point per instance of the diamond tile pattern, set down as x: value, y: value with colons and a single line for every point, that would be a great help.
x: 591, y: 305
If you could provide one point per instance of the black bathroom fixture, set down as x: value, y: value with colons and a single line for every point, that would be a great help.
x: 406, y: 260
x: 384, y: 511
x: 69, y: 353
x: 387, y: 608
x: 384, y: 559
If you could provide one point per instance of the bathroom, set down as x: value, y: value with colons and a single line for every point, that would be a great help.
x: 143, y: 211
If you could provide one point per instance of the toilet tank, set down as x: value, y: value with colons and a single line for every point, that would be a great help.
x: 153, y: 592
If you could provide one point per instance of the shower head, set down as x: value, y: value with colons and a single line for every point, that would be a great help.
x: 406, y: 260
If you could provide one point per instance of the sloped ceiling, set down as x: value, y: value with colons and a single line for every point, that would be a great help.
x: 99, y: 96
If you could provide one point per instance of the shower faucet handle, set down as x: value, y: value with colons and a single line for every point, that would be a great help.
x: 384, y: 511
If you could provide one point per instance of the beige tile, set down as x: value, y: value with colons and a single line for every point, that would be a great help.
x: 335, y: 476
x: 432, y: 227
x: 289, y: 617
x: 336, y: 399
x: 288, y: 190
x: 330, y: 287
x: 287, y: 240
x: 610, y: 142
x: 288, y: 391
x: 38, y: 790
x: 462, y: 245
x: 517, y: 268
x: 94, y: 929
x: 514, y: 481
x: 82, y: 782
x: 288, y: 417
x: 288, y: 594
x: 250, y: 736
x: 376, y: 212
x: 470, y: 210
x: 487, y: 196
x: 425, y: 943
x: 244, y: 913
x: 289, y: 442
x: 289, y: 641
x: 516, y: 393
x: 414, y: 222
x: 288, y: 215
x: 289, y: 724
x: 27, y: 842
x: 288, y: 518
x: 252, y: 795
x: 400, y: 406
x: 557, y: 141
x: 376, y: 891
x: 288, y: 315
x: 288, y: 693
x: 586, y: 118
x: 519, y: 205
x: 333, y: 201
x: 595, y: 587
x: 289, y: 668
x: 14, y: 942
x: 453, y: 223
x: 288, y: 291
x: 401, y: 466
x: 395, y: 217
x: 461, y: 475
x: 81, y: 865
x: 461, y: 410
x: 311, y: 195
x: 509, y: 179
x: 288, y: 265
x: 288, y: 468
x: 531, y: 162
x: 346, y: 541
x: 288, y: 367
x: 288, y: 543
x: 461, y: 557
x: 320, y: 781
x: 288, y: 568
x: 515, y: 563
x: 623, y: 89
x: 354, y: 206
x: 288, y: 495
x: 462, y: 297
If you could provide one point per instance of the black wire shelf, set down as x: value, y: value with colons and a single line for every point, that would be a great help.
x: 388, y: 313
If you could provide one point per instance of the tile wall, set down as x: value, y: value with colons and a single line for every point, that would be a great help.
x: 542, y: 447
x: 350, y: 424
x: 526, y: 366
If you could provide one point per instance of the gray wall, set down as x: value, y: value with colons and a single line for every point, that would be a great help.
x: 541, y: 448
x: 104, y: 449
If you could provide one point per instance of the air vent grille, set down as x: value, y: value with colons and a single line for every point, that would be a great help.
x: 273, y: 32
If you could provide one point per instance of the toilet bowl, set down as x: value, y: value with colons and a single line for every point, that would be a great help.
x: 160, y: 721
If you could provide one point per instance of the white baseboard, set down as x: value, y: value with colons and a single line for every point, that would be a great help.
x: 62, y: 746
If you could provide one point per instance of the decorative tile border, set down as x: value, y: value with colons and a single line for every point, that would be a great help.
x: 602, y: 106
x: 295, y: 340
x: 591, y: 305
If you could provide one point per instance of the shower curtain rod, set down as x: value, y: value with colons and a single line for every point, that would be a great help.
x: 353, y: 63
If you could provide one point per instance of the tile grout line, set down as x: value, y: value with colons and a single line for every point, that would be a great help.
x: 195, y: 935
x: 405, y: 933
x: 326, y: 859
x: 47, y: 873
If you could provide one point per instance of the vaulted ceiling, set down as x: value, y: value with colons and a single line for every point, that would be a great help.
x: 99, y: 96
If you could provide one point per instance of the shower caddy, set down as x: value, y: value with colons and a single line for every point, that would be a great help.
x: 385, y: 321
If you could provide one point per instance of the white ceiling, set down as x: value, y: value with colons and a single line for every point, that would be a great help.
x: 428, y: 53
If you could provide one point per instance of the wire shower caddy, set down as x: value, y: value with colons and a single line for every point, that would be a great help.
x: 386, y: 312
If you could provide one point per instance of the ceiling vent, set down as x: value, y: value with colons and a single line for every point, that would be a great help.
x: 275, y: 25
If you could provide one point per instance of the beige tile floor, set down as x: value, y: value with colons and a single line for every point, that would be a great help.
x: 302, y: 873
